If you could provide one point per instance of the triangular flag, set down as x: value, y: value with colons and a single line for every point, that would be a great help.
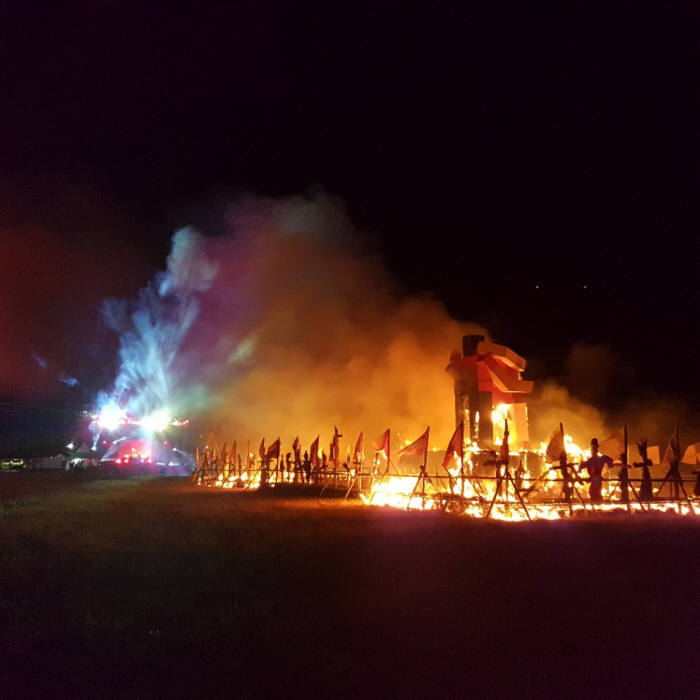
x: 673, y: 450
x: 690, y: 456
x: 273, y: 451
x: 313, y: 452
x: 455, y: 446
x: 417, y: 447
x: 383, y: 444
x: 359, y: 455
x: 556, y: 447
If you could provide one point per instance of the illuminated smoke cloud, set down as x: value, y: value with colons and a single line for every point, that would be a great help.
x: 153, y: 328
x: 552, y: 403
x: 41, y: 361
x: 284, y: 325
x: 303, y: 329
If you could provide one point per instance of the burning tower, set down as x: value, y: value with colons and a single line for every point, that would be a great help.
x: 488, y: 389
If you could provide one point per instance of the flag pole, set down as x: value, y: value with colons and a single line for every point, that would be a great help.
x: 573, y: 485
x: 563, y: 461
x: 461, y: 462
x: 388, y: 452
x: 425, y: 457
x: 423, y: 475
x: 388, y: 463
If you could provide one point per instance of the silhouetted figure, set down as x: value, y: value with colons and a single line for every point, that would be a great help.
x: 594, y: 465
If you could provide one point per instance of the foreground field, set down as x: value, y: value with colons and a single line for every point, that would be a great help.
x: 151, y: 588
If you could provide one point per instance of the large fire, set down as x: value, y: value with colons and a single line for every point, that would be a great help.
x: 490, y: 468
x: 482, y: 485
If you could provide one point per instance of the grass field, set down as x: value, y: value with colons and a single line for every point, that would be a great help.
x: 152, y: 588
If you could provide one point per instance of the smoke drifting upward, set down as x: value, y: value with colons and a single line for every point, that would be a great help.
x: 299, y: 330
x: 312, y: 332
x: 552, y: 404
x: 152, y: 330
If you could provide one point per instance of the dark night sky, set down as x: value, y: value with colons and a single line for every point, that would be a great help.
x: 486, y: 149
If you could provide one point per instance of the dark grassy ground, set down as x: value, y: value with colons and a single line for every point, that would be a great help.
x: 154, y: 589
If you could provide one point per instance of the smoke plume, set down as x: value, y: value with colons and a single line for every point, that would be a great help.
x: 286, y: 325
x: 153, y: 329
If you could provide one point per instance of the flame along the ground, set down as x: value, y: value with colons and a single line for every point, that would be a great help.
x: 460, y: 489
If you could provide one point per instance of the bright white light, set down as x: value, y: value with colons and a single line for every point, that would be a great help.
x: 111, y: 417
x: 70, y: 446
x: 156, y: 422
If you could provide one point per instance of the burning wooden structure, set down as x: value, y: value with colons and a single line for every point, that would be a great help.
x: 490, y: 469
x: 452, y: 484
x: 489, y: 389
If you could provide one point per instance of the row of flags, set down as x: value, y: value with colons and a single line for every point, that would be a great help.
x: 273, y: 451
x: 382, y: 446
x: 614, y: 446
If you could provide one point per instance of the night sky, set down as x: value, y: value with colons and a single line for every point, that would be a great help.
x: 534, y: 169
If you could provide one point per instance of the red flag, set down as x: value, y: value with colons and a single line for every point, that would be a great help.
x: 359, y: 455
x: 455, y: 445
x: 417, y: 447
x: 261, y: 451
x: 383, y: 445
x: 673, y: 449
x: 556, y: 449
x: 297, y: 445
x: 273, y: 450
x: 313, y: 453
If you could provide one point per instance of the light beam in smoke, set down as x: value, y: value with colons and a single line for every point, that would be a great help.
x: 110, y: 417
x: 156, y: 422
